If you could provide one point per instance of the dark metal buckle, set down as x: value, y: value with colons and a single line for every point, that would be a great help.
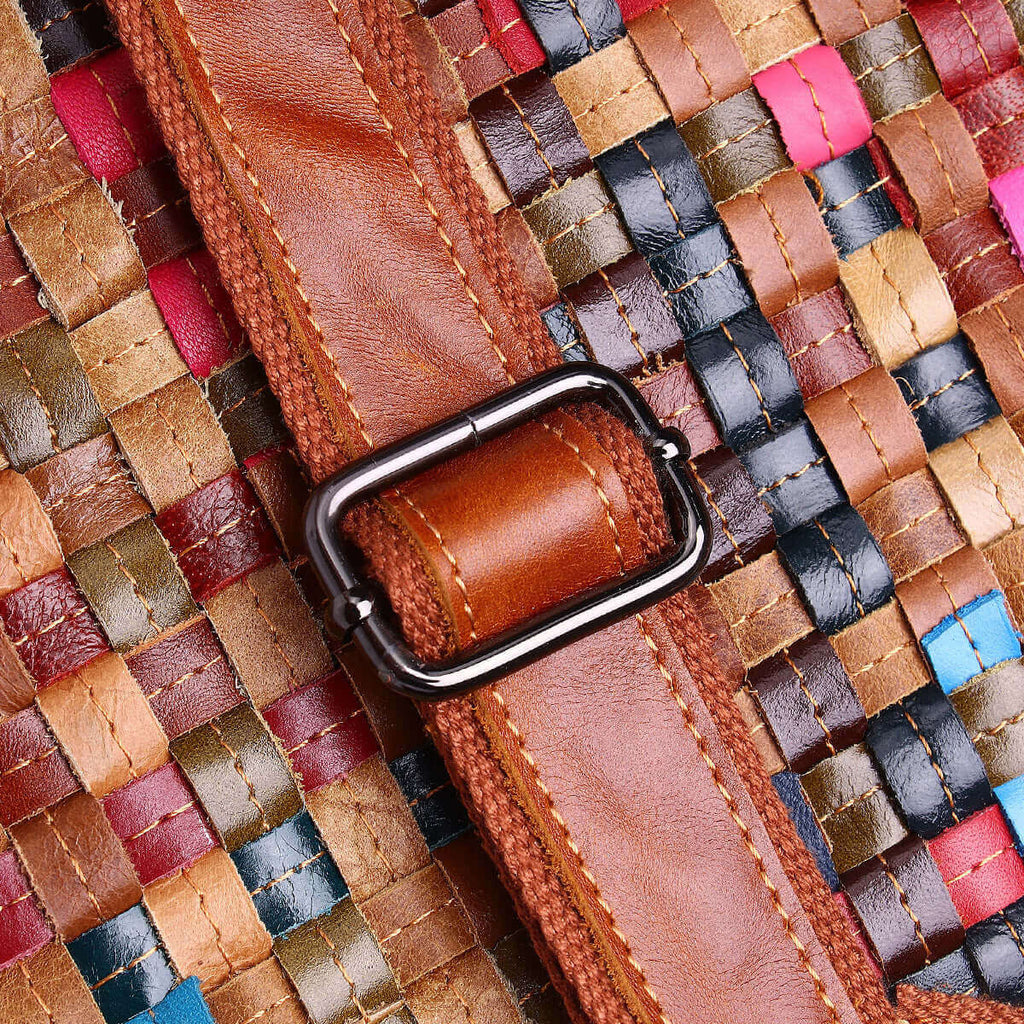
x: 358, y: 608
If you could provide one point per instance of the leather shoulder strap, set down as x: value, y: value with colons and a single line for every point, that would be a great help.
x: 375, y: 287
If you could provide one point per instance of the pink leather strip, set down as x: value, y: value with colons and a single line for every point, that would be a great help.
x: 817, y: 104
x: 1008, y: 199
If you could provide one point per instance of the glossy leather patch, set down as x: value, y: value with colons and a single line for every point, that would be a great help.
x: 184, y: 1004
x: 928, y: 761
x: 569, y: 31
x: 787, y: 785
x: 422, y: 778
x: 996, y: 954
x: 289, y: 875
x: 838, y: 567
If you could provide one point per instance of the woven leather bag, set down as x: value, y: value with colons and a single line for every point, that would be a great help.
x: 740, y: 287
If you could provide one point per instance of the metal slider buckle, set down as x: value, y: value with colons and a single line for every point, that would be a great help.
x: 358, y: 607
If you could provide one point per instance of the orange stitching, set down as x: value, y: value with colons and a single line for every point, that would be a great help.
x: 419, y: 920
x: 748, y: 840
x: 703, y: 276
x: 905, y: 902
x: 978, y: 254
x: 218, y: 937
x: 449, y: 556
x: 692, y: 52
x: 49, y: 752
x: 32, y: 988
x: 159, y: 821
x: 582, y: 25
x: 916, y: 521
x: 780, y: 238
x: 66, y: 15
x: 325, y: 731
x: 134, y: 583
x: 532, y: 133
x: 991, y: 477
x: 736, y: 138
x: 721, y: 515
x: 274, y: 639
x: 867, y: 430
x: 110, y: 725
x: 998, y: 124
x: 937, y: 569
x: 269, y: 1009
x: 935, y: 764
x: 661, y: 184
x: 750, y: 377
x: 241, y: 771
x: 594, y: 107
x: 820, y: 460
x: 880, y: 183
x: 866, y: 795
x: 883, y: 659
x: 905, y: 55
x: 843, y: 566
x: 585, y: 219
x: 942, y: 164
x: 353, y: 992
x: 18, y: 899
x: 899, y: 294
x: 466, y: 1008
x: 126, y: 967
x: 184, y: 678
x: 777, y: 13
x: 81, y: 492
x: 815, y: 706
x: 941, y: 391
x: 817, y: 106
x: 35, y: 391
x: 68, y: 617
x: 107, y: 360
x: 265, y: 207
x: 136, y: 221
x: 232, y: 524
x: 757, y: 611
x: 375, y: 839
x: 845, y: 329
x: 301, y: 866
x: 65, y: 230
x: 117, y: 116
x: 9, y: 544
x: 977, y: 867
x: 177, y: 442
x: 996, y: 729
x: 209, y: 300
x: 1013, y: 931
x: 15, y: 281
x: 601, y: 493
x: 977, y: 38
x: 634, y: 334
x: 439, y: 227
x: 76, y: 866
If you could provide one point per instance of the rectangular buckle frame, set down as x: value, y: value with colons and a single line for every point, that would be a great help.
x: 355, y: 608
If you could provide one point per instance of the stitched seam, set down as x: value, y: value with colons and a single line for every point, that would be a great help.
x: 703, y: 276
x: 977, y: 867
x: 661, y: 184
x: 977, y: 38
x: 265, y: 207
x: 996, y: 729
x: 231, y: 524
x: 899, y: 294
x: 991, y: 477
x: 117, y: 116
x: 769, y: 17
x: 601, y: 493
x: 466, y: 1009
x: 449, y: 557
x: 905, y: 55
x: 134, y: 584
x: 49, y: 752
x: 14, y: 281
x: 68, y: 617
x: 577, y: 855
x: 883, y: 659
x: 66, y: 232
x: 866, y: 426
x: 269, y: 1009
x: 748, y: 840
x: 942, y: 163
x: 1009, y: 119
x: 737, y: 138
x: 594, y: 107
x: 765, y: 607
x: 979, y: 254
x: 16, y: 561
x: 110, y: 725
x: 75, y: 864
x: 780, y: 238
x: 820, y: 460
x: 353, y: 994
x: 532, y: 133
x: 843, y: 566
x: 419, y: 920
x: 374, y: 838
x: 117, y: 474
x: 1012, y: 930
x: 43, y: 1005
x: 18, y: 899
x: 815, y: 706
x: 845, y: 329
x: 136, y: 221
x: 325, y: 731
x: 126, y: 967
x: 274, y: 636
x: 867, y: 190
x: 237, y: 761
x: 956, y: 615
x: 935, y: 764
x: 139, y: 343
x: 729, y: 536
x: 209, y: 301
x: 698, y: 66
x: 585, y: 219
x: 159, y: 821
x: 39, y: 396
x: 817, y: 106
x: 916, y: 521
x: 582, y: 25
x: 435, y: 216
x: 204, y: 910
x: 921, y: 402
x: 177, y: 442
x: 301, y: 866
x: 66, y: 15
x: 905, y: 903
x: 852, y: 802
x: 184, y: 678
x: 634, y: 334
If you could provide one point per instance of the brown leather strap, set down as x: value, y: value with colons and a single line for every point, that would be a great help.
x: 375, y: 285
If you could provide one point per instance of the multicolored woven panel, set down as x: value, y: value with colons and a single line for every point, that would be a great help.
x: 797, y: 226
x: 200, y: 820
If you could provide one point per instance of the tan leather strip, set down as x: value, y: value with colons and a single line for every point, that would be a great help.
x: 408, y: 286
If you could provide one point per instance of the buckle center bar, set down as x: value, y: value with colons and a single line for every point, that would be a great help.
x: 356, y: 608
